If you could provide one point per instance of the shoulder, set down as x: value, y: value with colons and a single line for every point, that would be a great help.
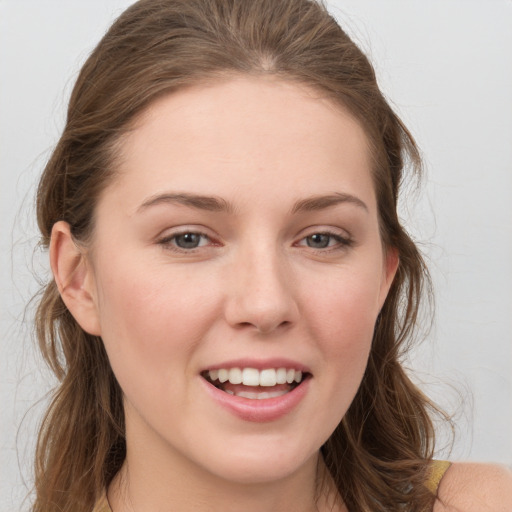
x: 475, y: 487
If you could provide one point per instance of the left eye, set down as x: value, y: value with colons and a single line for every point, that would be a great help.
x: 323, y: 240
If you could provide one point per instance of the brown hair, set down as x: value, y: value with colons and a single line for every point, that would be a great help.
x: 379, y: 454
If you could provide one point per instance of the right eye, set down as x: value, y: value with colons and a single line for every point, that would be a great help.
x: 187, y: 240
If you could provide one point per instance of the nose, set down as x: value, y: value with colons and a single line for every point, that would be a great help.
x: 261, y: 293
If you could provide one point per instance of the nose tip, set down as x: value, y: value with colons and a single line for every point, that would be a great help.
x: 262, y: 298
x: 265, y: 319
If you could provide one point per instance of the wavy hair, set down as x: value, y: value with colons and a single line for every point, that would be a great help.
x: 379, y: 454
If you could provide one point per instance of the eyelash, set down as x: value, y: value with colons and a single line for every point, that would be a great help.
x: 342, y: 243
x: 169, y: 242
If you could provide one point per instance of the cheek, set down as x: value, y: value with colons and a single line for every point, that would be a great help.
x: 343, y: 317
x: 149, y: 321
x: 345, y: 310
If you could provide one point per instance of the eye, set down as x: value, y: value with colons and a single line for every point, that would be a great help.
x: 187, y: 240
x: 325, y: 240
x: 319, y: 240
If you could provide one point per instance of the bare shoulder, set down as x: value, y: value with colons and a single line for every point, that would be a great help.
x: 475, y: 487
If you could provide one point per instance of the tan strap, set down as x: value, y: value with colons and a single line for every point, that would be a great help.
x: 437, y: 470
x: 102, y: 505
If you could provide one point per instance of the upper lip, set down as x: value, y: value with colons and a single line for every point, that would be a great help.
x: 259, y: 364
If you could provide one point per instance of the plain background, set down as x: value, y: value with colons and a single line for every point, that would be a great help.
x: 446, y: 66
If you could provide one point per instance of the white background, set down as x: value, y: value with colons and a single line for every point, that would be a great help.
x: 447, y: 67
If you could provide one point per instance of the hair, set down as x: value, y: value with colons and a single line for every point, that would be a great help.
x: 379, y: 454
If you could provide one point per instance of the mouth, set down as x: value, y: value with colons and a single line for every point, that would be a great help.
x: 255, y: 384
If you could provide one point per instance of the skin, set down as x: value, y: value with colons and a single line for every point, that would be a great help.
x: 254, y: 288
x: 475, y: 487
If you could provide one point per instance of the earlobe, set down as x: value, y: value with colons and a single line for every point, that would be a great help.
x: 73, y: 277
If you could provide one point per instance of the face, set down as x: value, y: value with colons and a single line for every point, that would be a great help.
x: 239, y: 241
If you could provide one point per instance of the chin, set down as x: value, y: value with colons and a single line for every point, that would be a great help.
x: 263, y: 463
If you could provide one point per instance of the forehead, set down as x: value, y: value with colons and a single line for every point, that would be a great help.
x: 245, y: 131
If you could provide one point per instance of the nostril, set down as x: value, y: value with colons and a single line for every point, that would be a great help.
x: 268, y: 327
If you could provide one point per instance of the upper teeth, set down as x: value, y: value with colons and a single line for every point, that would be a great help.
x: 254, y: 377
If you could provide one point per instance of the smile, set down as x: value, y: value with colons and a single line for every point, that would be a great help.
x: 255, y: 384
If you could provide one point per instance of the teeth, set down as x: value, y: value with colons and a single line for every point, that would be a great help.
x: 281, y: 376
x: 260, y: 396
x: 268, y: 377
x: 235, y: 376
x: 252, y: 377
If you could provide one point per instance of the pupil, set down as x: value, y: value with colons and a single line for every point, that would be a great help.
x: 318, y: 241
x: 188, y: 240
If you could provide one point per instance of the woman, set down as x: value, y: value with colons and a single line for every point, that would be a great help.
x: 233, y: 290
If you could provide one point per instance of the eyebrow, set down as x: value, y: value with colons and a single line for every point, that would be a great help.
x: 208, y: 203
x: 217, y: 204
x: 316, y: 203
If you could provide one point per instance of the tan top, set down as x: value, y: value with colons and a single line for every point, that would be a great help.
x: 437, y: 471
x: 102, y: 505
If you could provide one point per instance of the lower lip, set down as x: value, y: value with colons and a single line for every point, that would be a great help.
x: 259, y: 411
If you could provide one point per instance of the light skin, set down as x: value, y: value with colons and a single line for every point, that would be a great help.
x: 475, y: 487
x: 241, y: 225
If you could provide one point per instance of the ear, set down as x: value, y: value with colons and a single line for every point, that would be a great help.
x: 74, y: 278
x: 391, y: 262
